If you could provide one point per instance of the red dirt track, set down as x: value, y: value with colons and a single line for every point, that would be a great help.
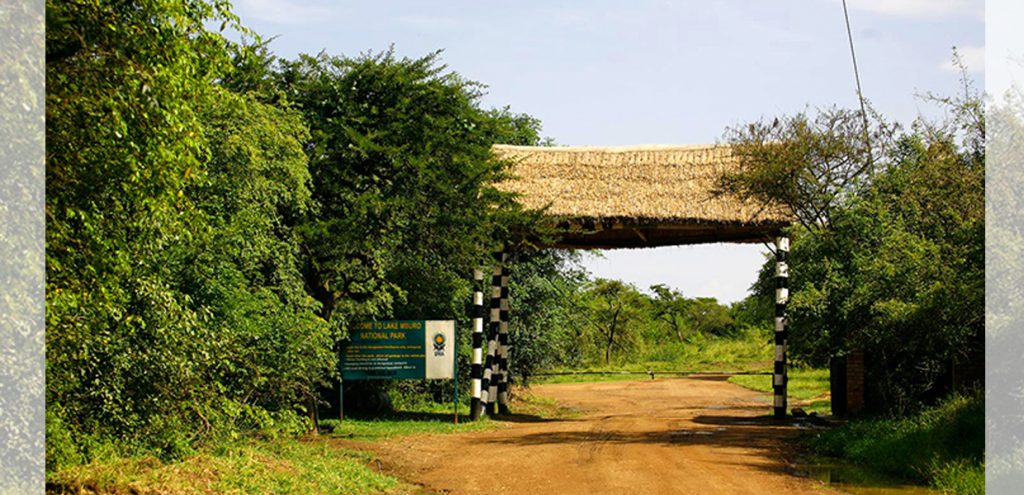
x: 666, y: 436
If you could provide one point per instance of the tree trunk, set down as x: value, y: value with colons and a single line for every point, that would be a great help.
x: 611, y: 337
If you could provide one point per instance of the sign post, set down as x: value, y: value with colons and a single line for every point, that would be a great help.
x: 400, y: 350
x: 455, y: 380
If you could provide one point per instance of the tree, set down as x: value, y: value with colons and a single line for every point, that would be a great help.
x: 125, y: 85
x: 671, y: 308
x: 176, y: 310
x: 616, y: 306
x: 402, y: 175
x: 546, y: 308
x: 706, y: 316
x: 889, y: 258
x: 806, y: 164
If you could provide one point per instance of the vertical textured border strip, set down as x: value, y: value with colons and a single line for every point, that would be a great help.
x: 1004, y: 236
x: 22, y: 257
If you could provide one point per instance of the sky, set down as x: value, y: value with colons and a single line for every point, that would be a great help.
x: 607, y: 73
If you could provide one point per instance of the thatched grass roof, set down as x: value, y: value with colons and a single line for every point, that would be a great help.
x: 639, y: 188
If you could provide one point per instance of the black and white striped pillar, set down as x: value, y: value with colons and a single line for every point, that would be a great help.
x: 477, y: 371
x: 492, y: 374
x: 780, y: 376
x: 503, y: 347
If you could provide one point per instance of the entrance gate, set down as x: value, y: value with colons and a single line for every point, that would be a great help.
x: 625, y: 197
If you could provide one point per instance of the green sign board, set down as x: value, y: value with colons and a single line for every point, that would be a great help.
x: 399, y: 350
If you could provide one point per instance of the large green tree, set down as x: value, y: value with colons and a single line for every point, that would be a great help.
x: 888, y: 256
x: 403, y: 180
x: 616, y: 312
x: 125, y: 84
x: 176, y: 309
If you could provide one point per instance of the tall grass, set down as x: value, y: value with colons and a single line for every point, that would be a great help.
x: 807, y: 388
x: 745, y: 351
x: 276, y: 466
x: 943, y: 445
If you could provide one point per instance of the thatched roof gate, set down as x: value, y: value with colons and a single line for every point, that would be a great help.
x: 637, y: 196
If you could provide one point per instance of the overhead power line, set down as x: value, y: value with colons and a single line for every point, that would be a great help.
x: 856, y: 76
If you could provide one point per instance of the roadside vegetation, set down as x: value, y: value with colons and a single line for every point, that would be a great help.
x: 305, y: 465
x: 217, y: 217
x: 808, y: 388
x: 225, y: 214
x: 287, y: 463
x: 941, y: 445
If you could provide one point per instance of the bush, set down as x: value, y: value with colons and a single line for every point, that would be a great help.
x: 943, y: 445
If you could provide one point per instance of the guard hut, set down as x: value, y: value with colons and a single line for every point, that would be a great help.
x: 644, y: 196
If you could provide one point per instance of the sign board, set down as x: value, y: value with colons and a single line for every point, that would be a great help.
x: 400, y: 350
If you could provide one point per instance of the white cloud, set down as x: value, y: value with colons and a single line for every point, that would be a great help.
x: 922, y: 8
x: 284, y: 12
x: 972, y: 57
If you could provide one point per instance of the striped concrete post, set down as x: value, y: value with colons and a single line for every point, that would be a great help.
x: 477, y: 371
x: 780, y: 376
x: 503, y: 348
x: 491, y: 371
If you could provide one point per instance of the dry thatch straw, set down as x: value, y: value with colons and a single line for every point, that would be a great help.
x: 656, y: 184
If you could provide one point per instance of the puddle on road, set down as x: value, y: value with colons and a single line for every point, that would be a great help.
x: 856, y: 480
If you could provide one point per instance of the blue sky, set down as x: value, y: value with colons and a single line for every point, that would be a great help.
x: 658, y: 72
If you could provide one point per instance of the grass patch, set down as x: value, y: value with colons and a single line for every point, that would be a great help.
x: 808, y: 388
x: 412, y: 418
x: 804, y: 383
x: 277, y: 466
x: 312, y: 465
x: 399, y: 424
x: 587, y: 378
x: 525, y: 403
x: 748, y: 351
x: 943, y: 446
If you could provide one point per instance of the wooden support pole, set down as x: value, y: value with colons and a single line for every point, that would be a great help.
x: 780, y: 377
x: 477, y: 371
x: 503, y: 345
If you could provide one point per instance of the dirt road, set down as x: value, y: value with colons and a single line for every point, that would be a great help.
x: 667, y: 436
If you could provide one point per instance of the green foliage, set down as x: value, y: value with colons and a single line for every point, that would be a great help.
x: 943, y: 445
x: 563, y: 320
x: 217, y: 217
x: 402, y: 174
x: 616, y: 311
x: 176, y: 312
x: 546, y: 294
x: 670, y: 308
x: 806, y: 164
x: 899, y: 273
x: 245, y: 467
x: 894, y: 264
x: 401, y: 164
x: 270, y: 345
x: 124, y: 87
x: 742, y: 350
x: 708, y: 317
x: 807, y: 388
